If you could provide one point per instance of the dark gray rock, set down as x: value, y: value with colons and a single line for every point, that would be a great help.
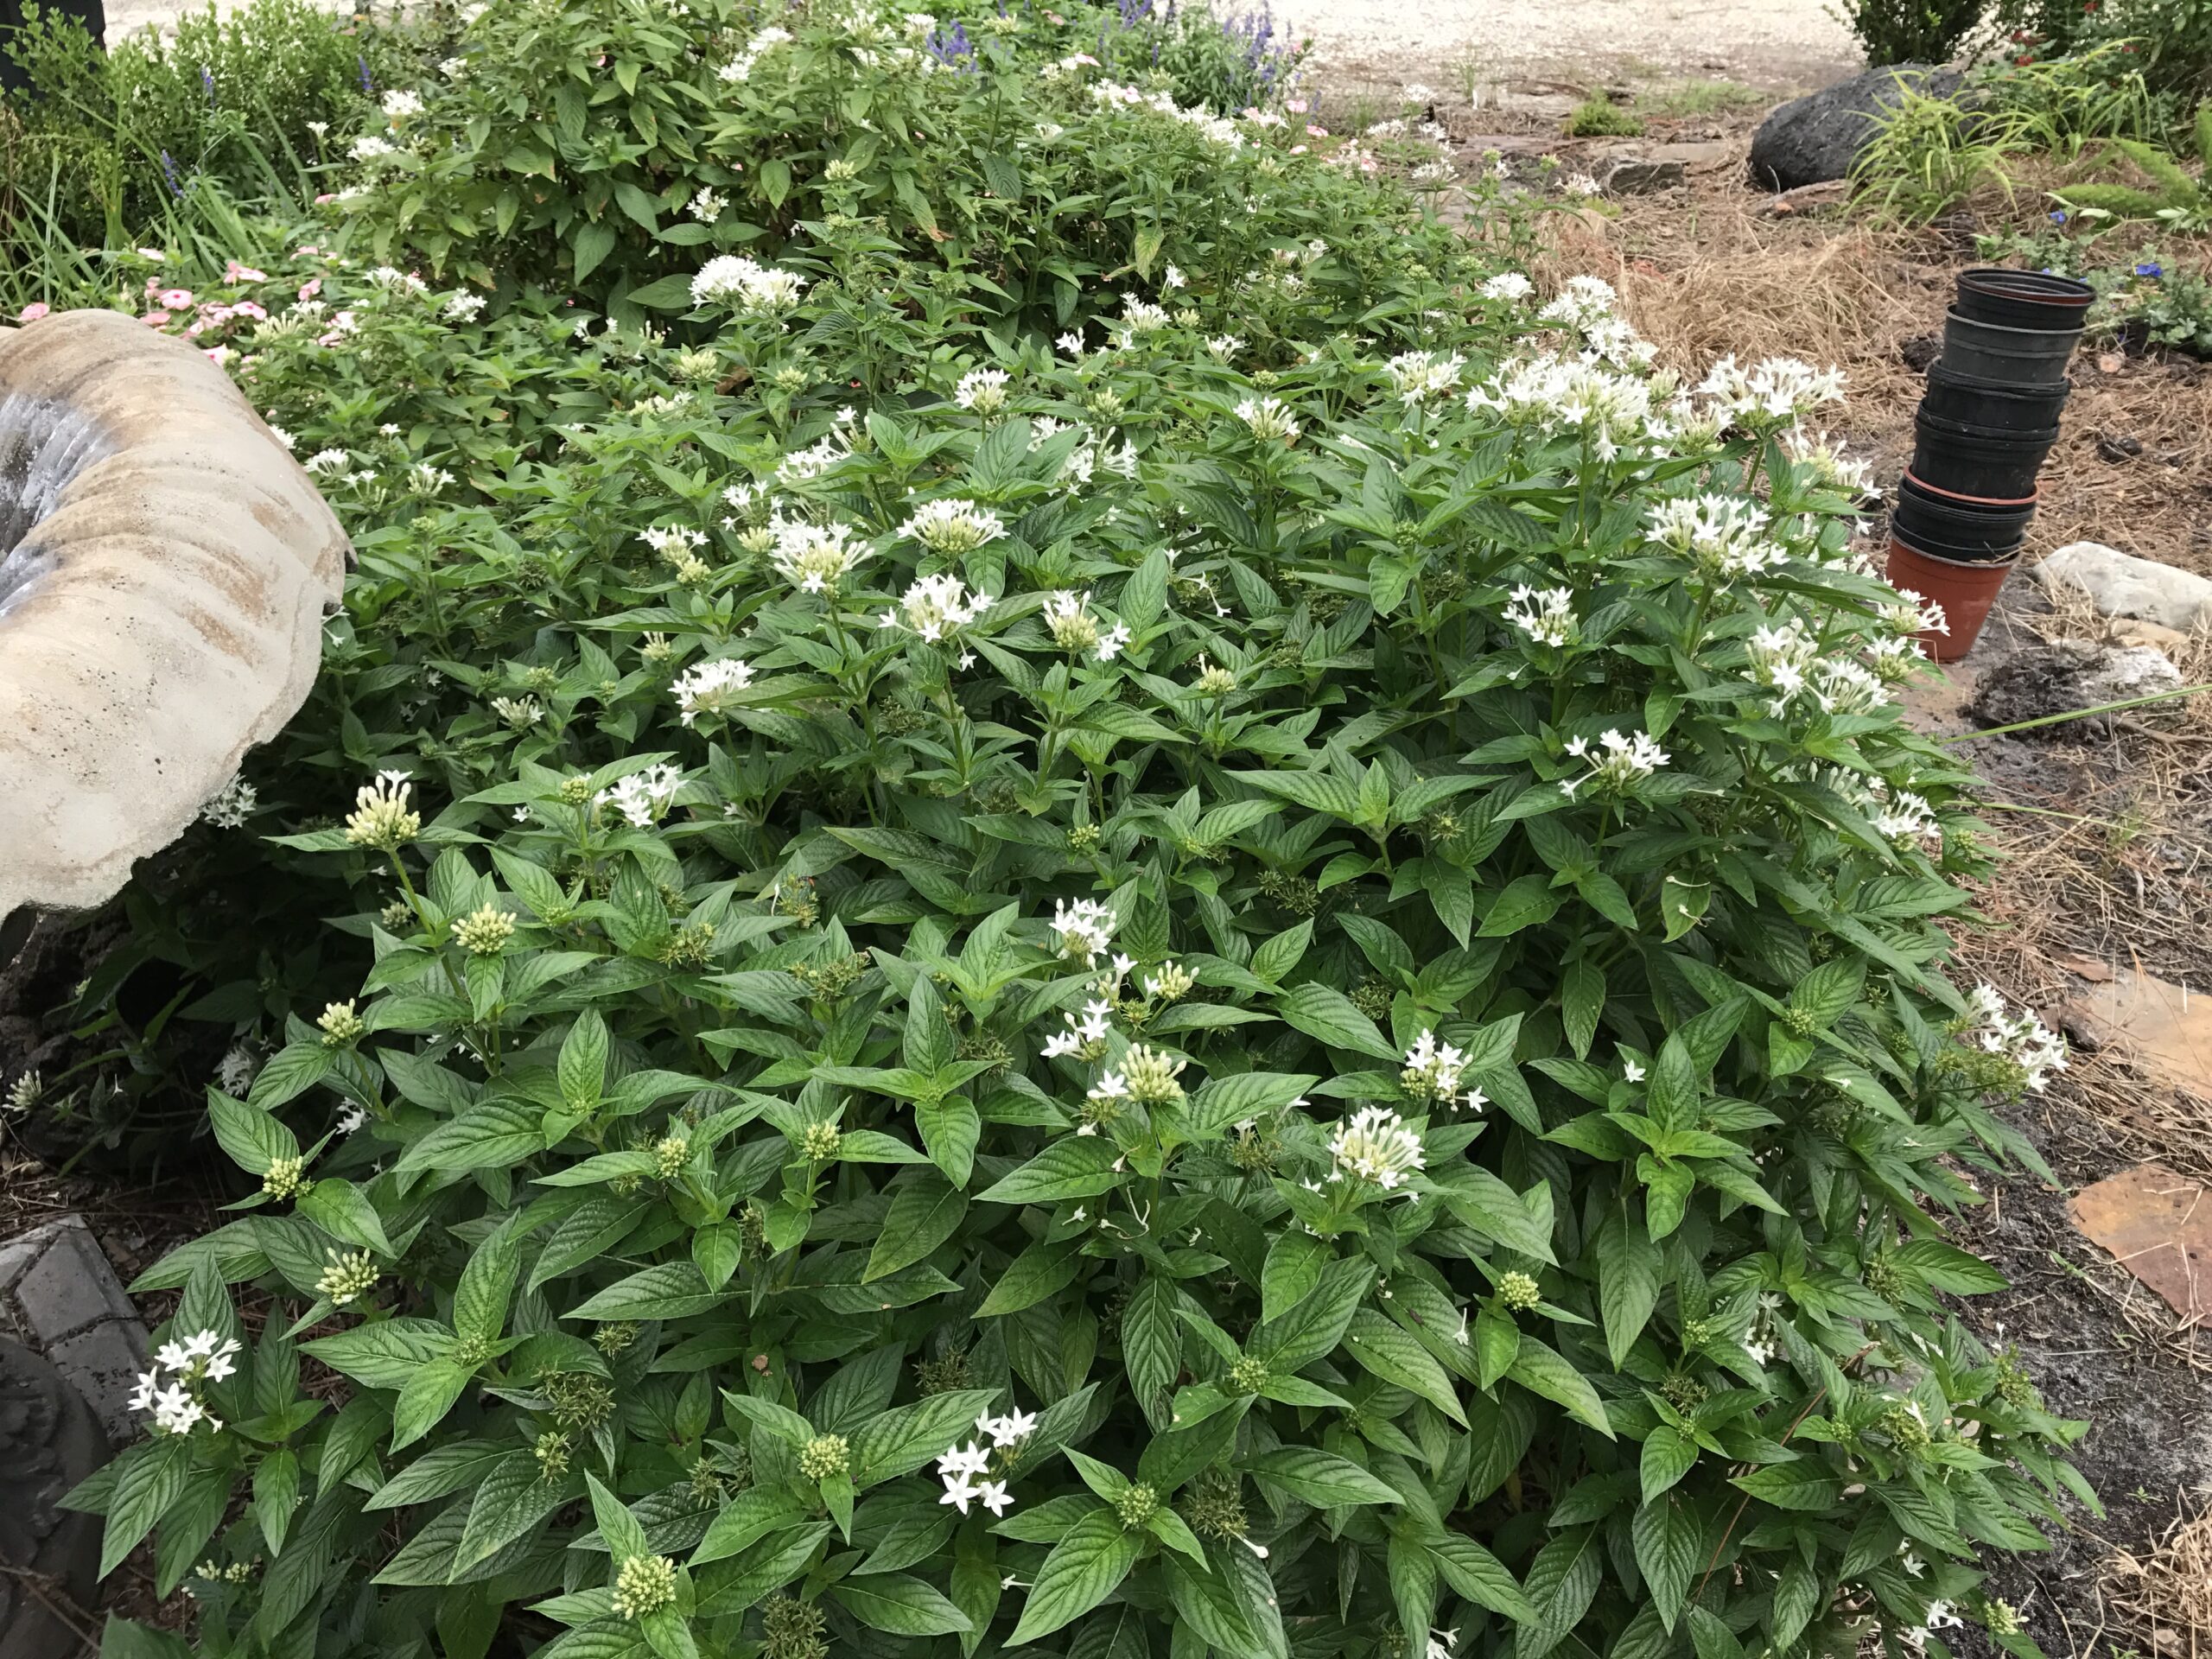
x: 1818, y: 136
x: 2070, y: 674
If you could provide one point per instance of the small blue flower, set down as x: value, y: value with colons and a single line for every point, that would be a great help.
x: 2150, y: 268
x: 2058, y: 216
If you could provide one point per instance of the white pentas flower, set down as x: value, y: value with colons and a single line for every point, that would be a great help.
x: 814, y: 558
x: 983, y: 390
x: 750, y: 289
x: 329, y: 463
x: 1544, y: 615
x: 463, y: 307
x: 951, y: 526
x: 1073, y: 627
x: 1419, y: 376
x: 1770, y: 395
x: 1509, y: 285
x: 937, y: 608
x: 229, y: 807
x: 641, y: 797
x: 1582, y: 302
x: 1913, y: 614
x: 1781, y: 660
x: 1831, y: 466
x: 1725, y: 535
x: 1432, y: 1069
x: 1222, y: 347
x: 1139, y: 316
x: 1906, y: 817
x: 1844, y: 686
x: 1268, y: 419
x: 1374, y: 1146
x: 1084, y: 1038
x: 1616, y: 762
x: 708, y: 205
x: 711, y: 688
x: 203, y: 1357
x: 740, y: 67
x: 1085, y: 929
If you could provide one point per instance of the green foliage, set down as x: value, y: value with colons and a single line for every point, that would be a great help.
x: 2175, y: 196
x: 1927, y: 153
x: 110, y: 149
x: 1147, y: 996
x: 1911, y: 31
x: 2167, y: 42
x: 1599, y: 116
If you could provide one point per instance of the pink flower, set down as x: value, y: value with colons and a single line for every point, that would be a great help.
x: 1086, y: 59
x: 330, y: 338
x: 1313, y: 132
x: 310, y: 288
x: 1298, y: 150
x: 175, y: 299
x: 152, y: 284
x: 154, y: 319
x: 154, y: 254
x: 1297, y: 106
x: 192, y: 330
x: 235, y: 272
x: 218, y: 355
x: 34, y: 311
x: 326, y: 196
x: 250, y: 308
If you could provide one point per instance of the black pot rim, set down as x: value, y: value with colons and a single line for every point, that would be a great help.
x: 2037, y: 287
x: 2040, y: 437
x: 1945, y: 558
x: 1955, y: 318
x: 1981, y: 385
x: 1908, y: 477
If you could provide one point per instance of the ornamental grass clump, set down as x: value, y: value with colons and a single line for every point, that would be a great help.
x: 1272, y: 994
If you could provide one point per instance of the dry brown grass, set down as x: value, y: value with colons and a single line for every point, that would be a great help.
x: 2166, y: 1592
x: 1712, y: 275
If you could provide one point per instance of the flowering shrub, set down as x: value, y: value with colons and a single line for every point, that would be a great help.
x: 741, y: 132
x: 1212, y: 984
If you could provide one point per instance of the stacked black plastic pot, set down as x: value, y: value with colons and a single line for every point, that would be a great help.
x: 1988, y: 418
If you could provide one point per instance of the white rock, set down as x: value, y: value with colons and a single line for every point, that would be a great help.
x: 2119, y: 584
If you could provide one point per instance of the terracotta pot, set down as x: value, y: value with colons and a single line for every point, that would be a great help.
x: 1965, y: 591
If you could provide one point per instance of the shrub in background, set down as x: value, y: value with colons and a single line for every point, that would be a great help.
x: 1911, y: 31
x: 109, y: 148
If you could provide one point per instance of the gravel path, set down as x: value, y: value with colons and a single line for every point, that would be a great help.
x: 1454, y: 44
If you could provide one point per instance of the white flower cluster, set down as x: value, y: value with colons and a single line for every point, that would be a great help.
x: 463, y: 307
x: 1544, y: 615
x: 229, y: 807
x: 1770, y: 395
x: 741, y: 66
x: 1198, y: 118
x: 201, y: 1357
x: 750, y: 289
x: 1509, y: 285
x: 1726, y: 535
x: 1419, y: 376
x: 983, y: 390
x: 950, y: 526
x: 642, y: 796
x: 1073, y: 627
x: 1432, y: 1069
x: 1269, y: 418
x: 1913, y: 614
x: 399, y: 105
x: 1084, y: 1038
x: 1907, y: 817
x: 2020, y: 1038
x: 1582, y: 302
x: 708, y: 205
x: 710, y: 688
x: 1085, y: 929
x: 963, y: 1468
x: 1780, y: 658
x: 1557, y: 394
x: 937, y: 608
x: 814, y: 558
x: 1139, y: 316
x: 1625, y: 760
x: 1375, y: 1145
x: 1831, y: 466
